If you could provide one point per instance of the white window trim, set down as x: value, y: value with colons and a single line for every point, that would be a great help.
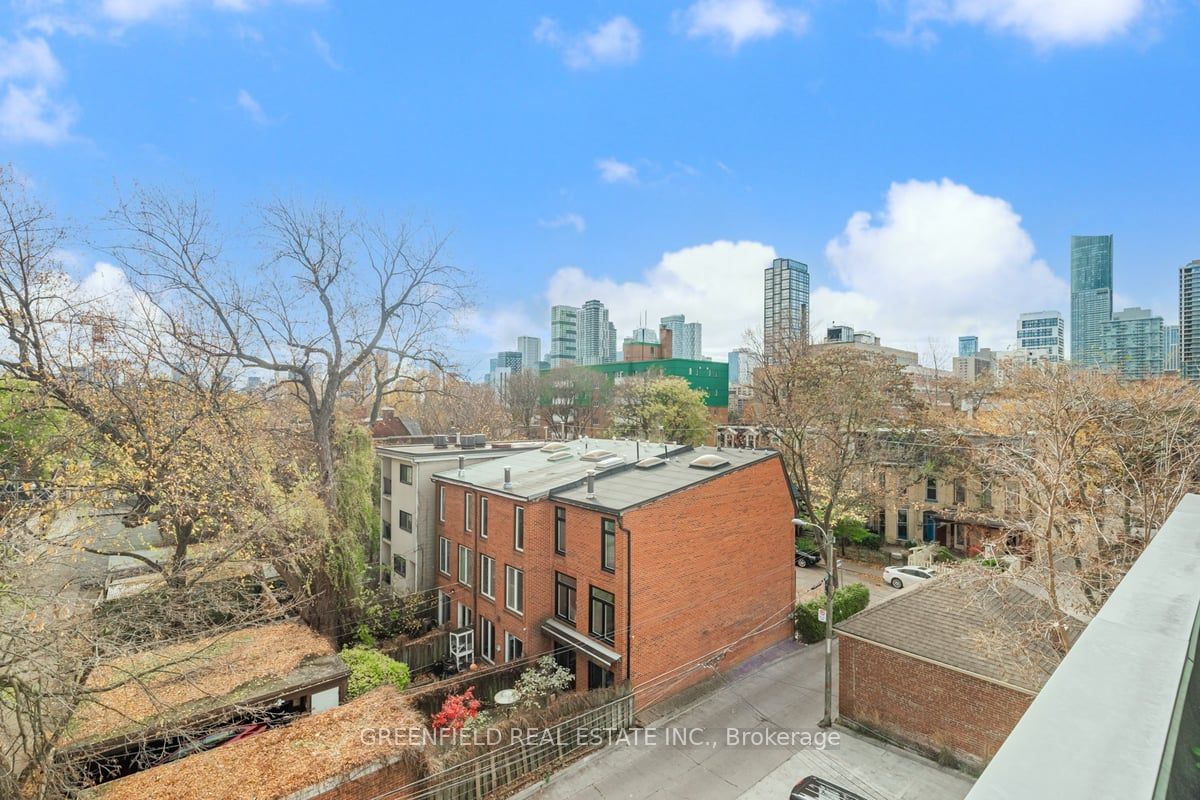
x: 465, y: 563
x: 441, y: 504
x: 468, y: 509
x: 444, y: 563
x: 519, y: 530
x: 508, y: 637
x: 483, y: 515
x: 508, y: 595
x: 484, y: 589
x: 487, y: 647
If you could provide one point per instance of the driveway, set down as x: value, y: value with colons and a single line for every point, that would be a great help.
x: 783, y: 697
x: 810, y: 580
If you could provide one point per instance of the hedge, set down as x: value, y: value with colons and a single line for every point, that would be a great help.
x: 847, y: 601
x: 370, y: 668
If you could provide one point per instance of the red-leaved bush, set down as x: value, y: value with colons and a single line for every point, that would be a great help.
x: 456, y: 710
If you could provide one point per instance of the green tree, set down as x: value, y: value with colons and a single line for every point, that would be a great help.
x: 656, y: 408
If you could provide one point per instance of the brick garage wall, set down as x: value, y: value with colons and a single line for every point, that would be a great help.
x: 372, y: 784
x: 923, y: 704
x: 709, y: 565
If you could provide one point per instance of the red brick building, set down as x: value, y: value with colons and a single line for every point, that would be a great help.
x: 937, y: 666
x: 673, y: 560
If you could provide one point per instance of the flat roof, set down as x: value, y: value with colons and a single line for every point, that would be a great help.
x: 1104, y: 721
x: 535, y: 475
x: 633, y: 487
x: 311, y: 752
x: 490, y: 450
x: 191, y: 679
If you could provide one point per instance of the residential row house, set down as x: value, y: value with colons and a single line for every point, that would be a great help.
x: 408, y: 536
x: 626, y: 561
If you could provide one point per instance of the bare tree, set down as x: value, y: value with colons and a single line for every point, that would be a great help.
x: 523, y: 397
x: 575, y: 401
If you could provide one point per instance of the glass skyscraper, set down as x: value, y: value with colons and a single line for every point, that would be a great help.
x: 1133, y: 344
x: 1091, y: 297
x: 785, y: 304
x: 1189, y: 320
x: 1042, y: 334
x: 968, y: 346
x: 564, y: 335
x: 1171, y: 349
x: 686, y: 336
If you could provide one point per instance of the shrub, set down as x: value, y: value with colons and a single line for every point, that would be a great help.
x: 544, y: 678
x: 371, y: 668
x: 807, y: 544
x: 944, y: 554
x: 457, y: 711
x: 847, y: 601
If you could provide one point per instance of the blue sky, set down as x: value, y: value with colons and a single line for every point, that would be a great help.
x: 928, y: 159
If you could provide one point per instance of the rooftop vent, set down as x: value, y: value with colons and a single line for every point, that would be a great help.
x: 439, y: 441
x: 561, y: 455
x: 709, y: 461
x: 652, y: 461
x: 553, y: 447
x: 610, y: 462
x: 596, y: 455
x: 480, y: 440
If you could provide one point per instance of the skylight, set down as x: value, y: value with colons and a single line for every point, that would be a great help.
x: 709, y: 461
x: 652, y: 461
x: 596, y: 455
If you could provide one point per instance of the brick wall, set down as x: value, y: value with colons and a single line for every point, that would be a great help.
x: 923, y: 704
x: 372, y: 784
x: 710, y: 563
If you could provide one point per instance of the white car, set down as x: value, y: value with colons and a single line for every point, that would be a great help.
x: 900, y: 577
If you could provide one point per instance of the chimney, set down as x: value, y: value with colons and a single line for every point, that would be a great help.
x: 462, y: 462
x: 508, y: 477
x: 387, y: 412
x: 591, y: 484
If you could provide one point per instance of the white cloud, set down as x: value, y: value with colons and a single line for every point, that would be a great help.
x: 252, y: 108
x: 1044, y: 22
x: 736, y: 22
x: 937, y: 262
x: 717, y: 284
x: 324, y: 52
x: 613, y: 171
x: 132, y: 11
x: 29, y: 112
x: 613, y: 43
x: 567, y: 220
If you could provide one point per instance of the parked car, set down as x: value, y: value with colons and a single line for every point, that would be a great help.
x: 807, y: 558
x: 814, y: 788
x: 217, y: 738
x: 900, y: 577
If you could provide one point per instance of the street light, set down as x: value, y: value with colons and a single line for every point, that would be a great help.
x: 827, y: 720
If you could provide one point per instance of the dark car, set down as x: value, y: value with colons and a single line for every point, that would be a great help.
x: 807, y: 558
x: 814, y: 788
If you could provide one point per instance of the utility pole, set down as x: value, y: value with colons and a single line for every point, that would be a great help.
x: 830, y: 566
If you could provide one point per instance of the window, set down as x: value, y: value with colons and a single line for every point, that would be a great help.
x: 608, y: 545
x: 598, y: 677
x: 487, y: 576
x: 406, y: 521
x: 514, y: 589
x: 465, y: 561
x: 882, y: 480
x: 406, y: 474
x: 560, y: 530
x: 387, y: 531
x: 514, y: 649
x: 931, y: 489
x: 985, y: 497
x: 443, y: 608
x: 519, y: 528
x: 602, y: 621
x: 465, y: 616
x: 400, y: 566
x: 960, y: 493
x: 387, y: 486
x: 442, y: 503
x: 483, y: 517
x: 902, y: 523
x: 487, y: 639
x: 564, y: 597
x: 443, y: 555
x: 468, y: 507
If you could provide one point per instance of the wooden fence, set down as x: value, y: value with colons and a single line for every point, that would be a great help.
x: 422, y: 653
x: 487, y: 770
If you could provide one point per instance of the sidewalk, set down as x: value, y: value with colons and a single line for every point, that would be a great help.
x: 784, y: 697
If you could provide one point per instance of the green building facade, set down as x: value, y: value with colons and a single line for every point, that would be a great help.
x: 710, y: 377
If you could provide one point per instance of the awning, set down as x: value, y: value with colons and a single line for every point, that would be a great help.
x: 597, y: 652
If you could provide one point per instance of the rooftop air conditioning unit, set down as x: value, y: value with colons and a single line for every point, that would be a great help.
x: 440, y: 441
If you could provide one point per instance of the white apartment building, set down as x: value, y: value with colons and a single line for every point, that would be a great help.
x: 408, y: 507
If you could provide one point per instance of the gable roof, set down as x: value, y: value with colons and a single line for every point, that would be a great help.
x: 968, y: 625
x: 312, y: 751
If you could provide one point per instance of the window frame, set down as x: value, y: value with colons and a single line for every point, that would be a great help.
x: 483, y: 516
x: 608, y: 535
x: 593, y: 601
x: 519, y: 582
x: 487, y: 641
x: 931, y: 484
x: 487, y: 577
x: 406, y: 470
x: 386, y: 488
x: 508, y: 640
x: 466, y: 560
x: 468, y: 510
x: 402, y: 514
x: 385, y: 531
x: 565, y: 582
x: 519, y: 528
x: 444, y: 556
x: 902, y: 513
x: 560, y: 530
x: 441, y: 502
x: 401, y: 562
